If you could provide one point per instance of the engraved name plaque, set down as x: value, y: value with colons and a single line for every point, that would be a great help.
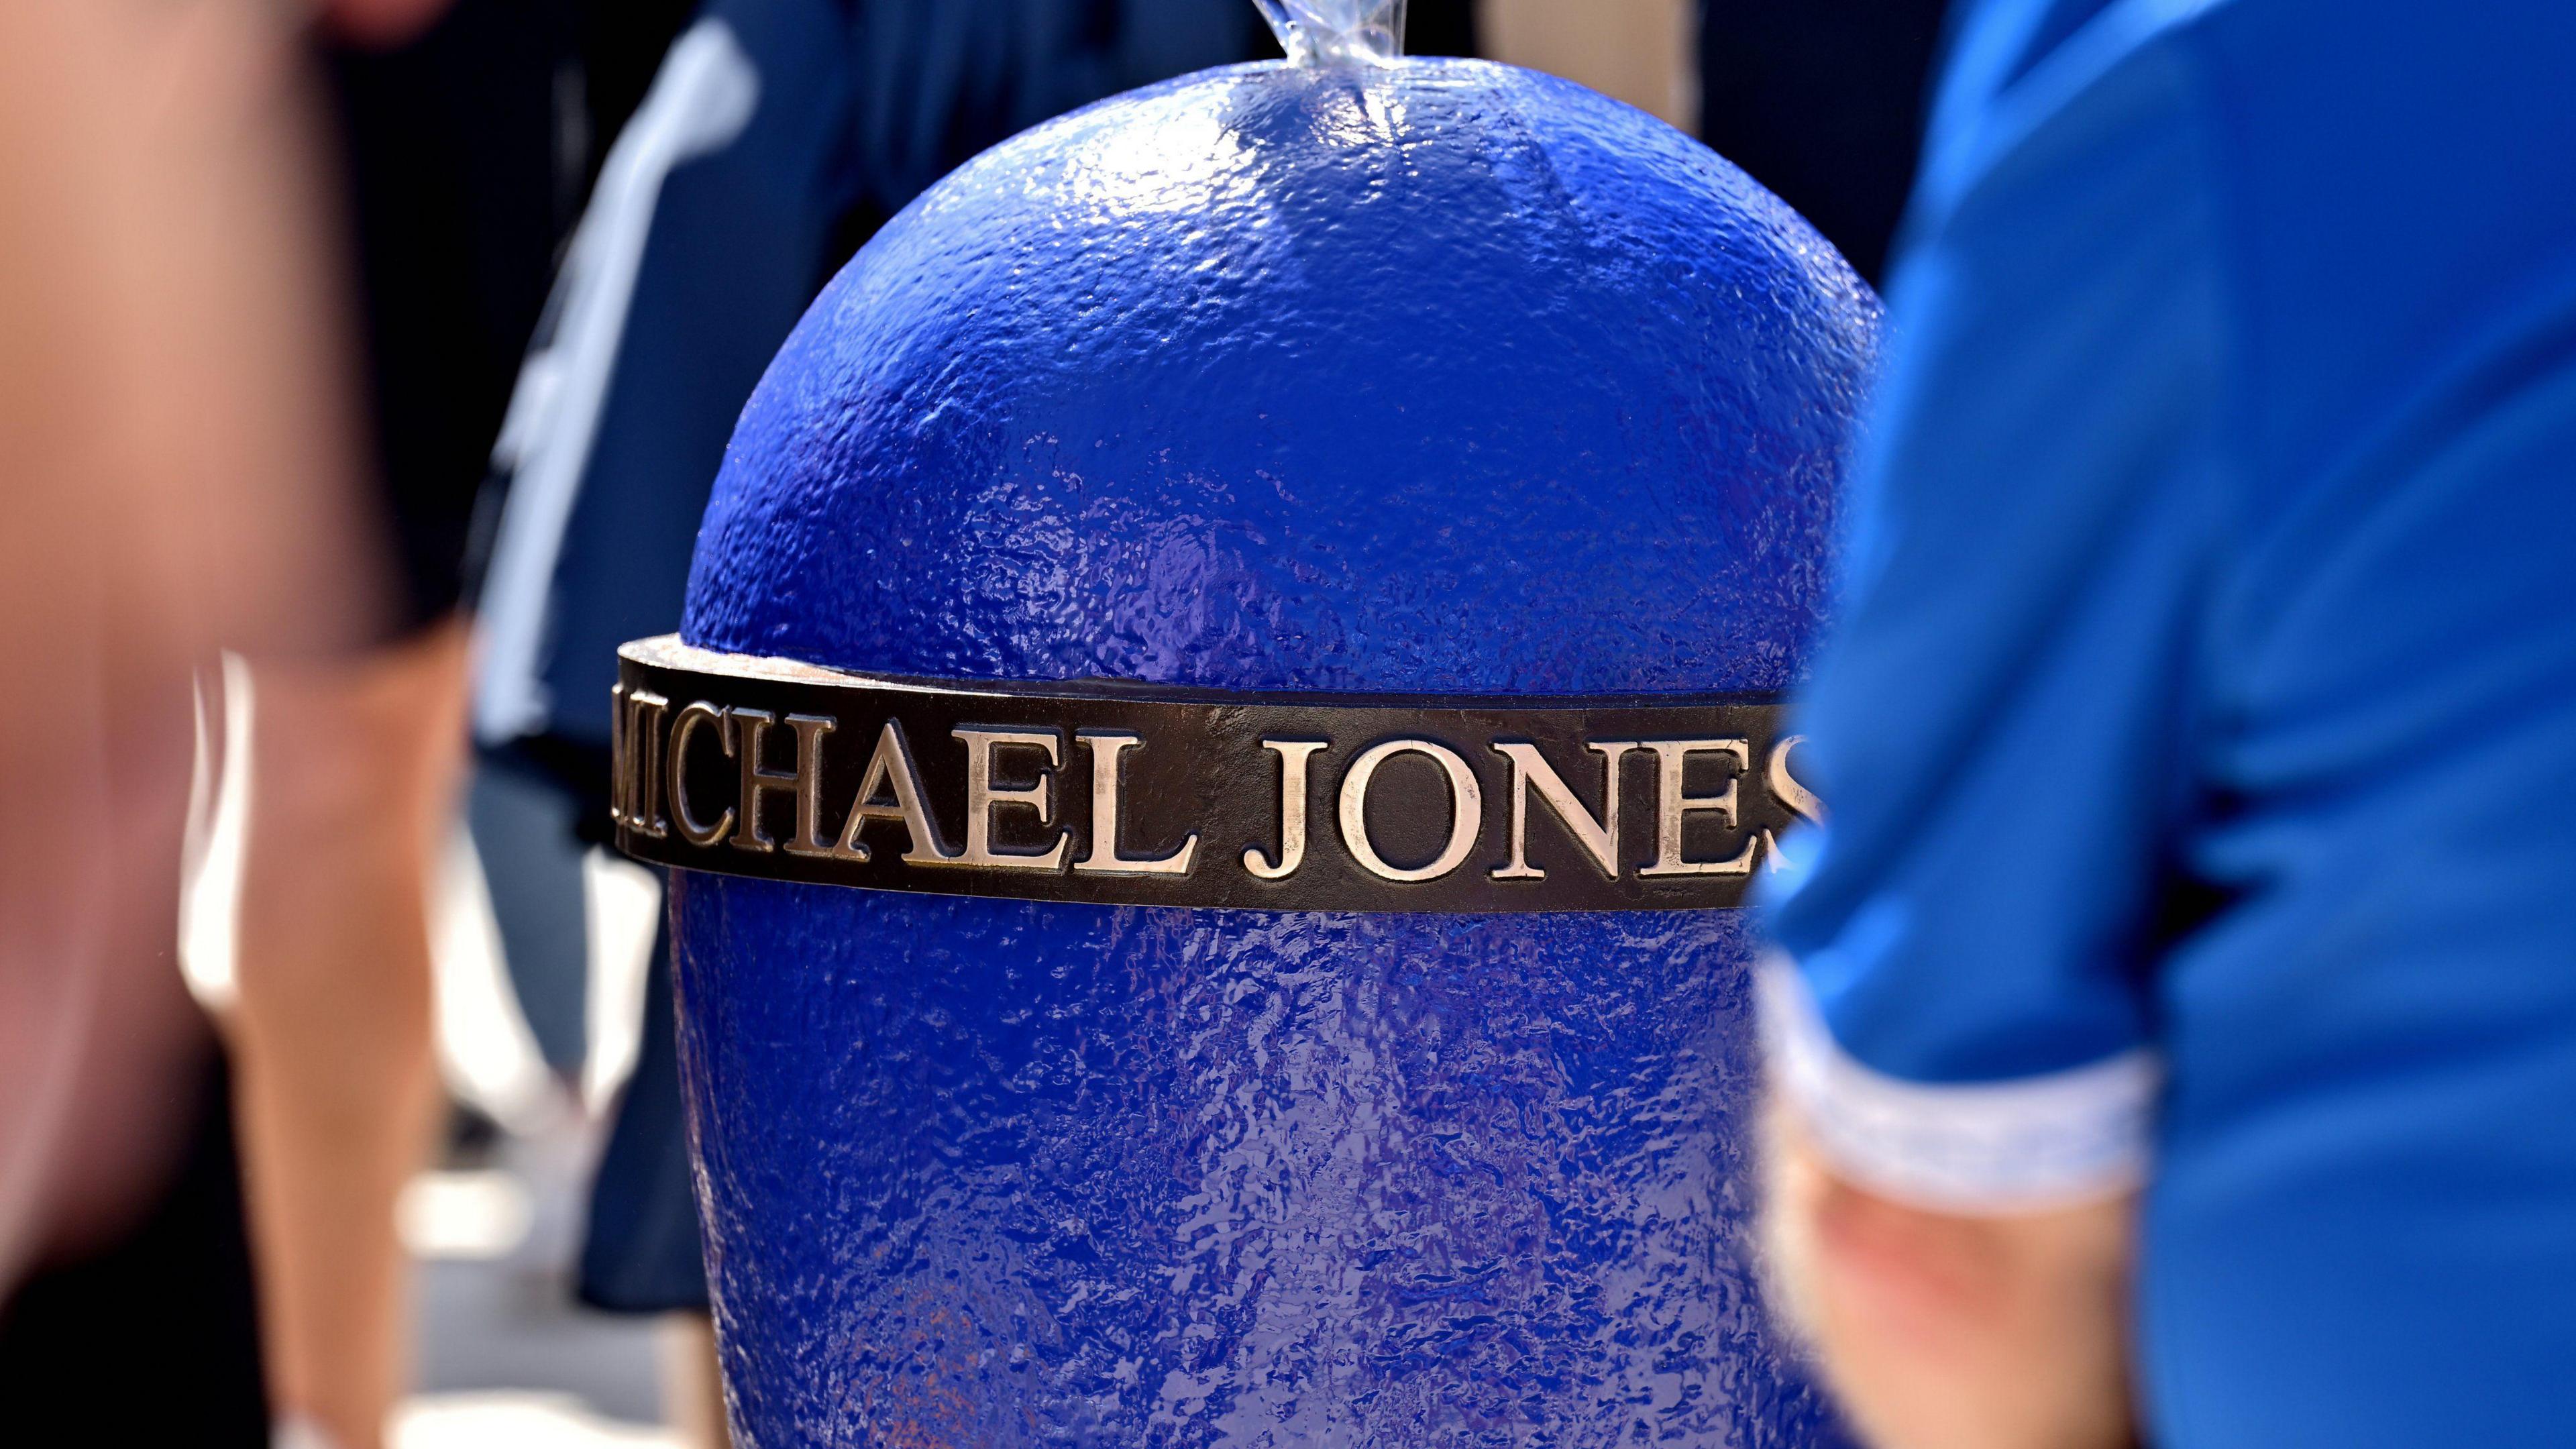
x: 1129, y: 794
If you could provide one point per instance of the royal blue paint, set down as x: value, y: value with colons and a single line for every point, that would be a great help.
x: 1444, y: 377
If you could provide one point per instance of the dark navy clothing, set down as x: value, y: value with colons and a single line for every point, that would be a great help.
x: 707, y: 236
x: 641, y: 1253
x: 775, y: 137
x: 460, y: 188
x: 1822, y: 102
x: 2200, y: 734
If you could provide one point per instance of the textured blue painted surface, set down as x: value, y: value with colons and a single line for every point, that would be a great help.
x: 1441, y: 377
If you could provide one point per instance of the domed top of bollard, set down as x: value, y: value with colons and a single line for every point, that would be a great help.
x: 1435, y: 375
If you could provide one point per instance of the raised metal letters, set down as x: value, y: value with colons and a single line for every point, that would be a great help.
x: 1672, y: 806
x: 698, y: 712
x: 1599, y: 838
x: 1104, y: 858
x: 635, y: 799
x: 1797, y: 797
x: 750, y: 730
x: 983, y: 797
x: 1107, y: 792
x: 1293, y: 755
x: 1785, y: 788
x: 891, y: 767
x: 1466, y: 810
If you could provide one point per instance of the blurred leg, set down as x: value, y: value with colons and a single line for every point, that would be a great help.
x: 354, y: 768
x: 693, y: 1382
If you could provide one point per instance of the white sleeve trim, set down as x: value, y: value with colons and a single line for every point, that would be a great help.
x: 2026, y: 1145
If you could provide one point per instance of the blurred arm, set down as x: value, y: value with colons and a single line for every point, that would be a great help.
x: 178, y: 479
x: 175, y: 385
x: 2007, y: 728
x: 1944, y: 1331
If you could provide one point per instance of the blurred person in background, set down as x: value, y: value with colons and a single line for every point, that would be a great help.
x: 776, y: 137
x: 2176, y: 1034
x: 1638, y: 51
x: 182, y: 478
x: 205, y: 247
x: 1822, y: 101
x: 458, y: 161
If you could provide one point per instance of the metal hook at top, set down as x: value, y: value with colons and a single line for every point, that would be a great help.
x: 1337, y: 32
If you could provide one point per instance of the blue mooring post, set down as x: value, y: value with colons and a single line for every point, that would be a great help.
x: 1235, y: 944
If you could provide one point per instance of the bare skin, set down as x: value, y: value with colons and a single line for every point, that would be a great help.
x: 1942, y: 1331
x: 354, y: 770
x: 380, y: 24
x: 356, y: 756
x: 184, y: 445
x: 1636, y: 50
x: 356, y: 760
x: 693, y: 1381
x: 179, y: 479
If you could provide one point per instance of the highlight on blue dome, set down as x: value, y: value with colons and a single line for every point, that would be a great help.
x: 1351, y: 373
x: 1434, y: 374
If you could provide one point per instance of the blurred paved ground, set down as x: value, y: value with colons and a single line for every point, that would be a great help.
x: 506, y: 1359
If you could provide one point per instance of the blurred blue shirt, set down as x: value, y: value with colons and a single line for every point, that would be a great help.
x: 2201, y: 727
